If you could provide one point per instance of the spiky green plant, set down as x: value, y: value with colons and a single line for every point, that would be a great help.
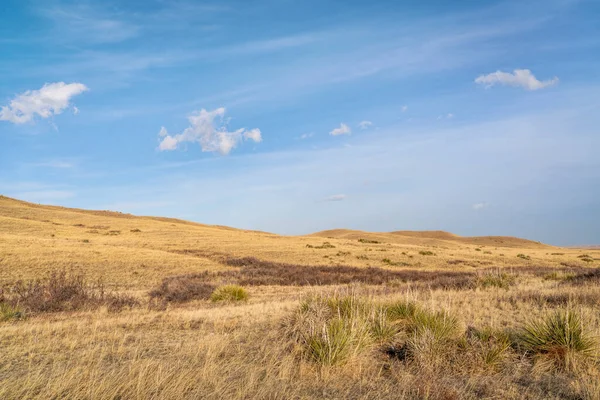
x: 8, y: 312
x: 229, y: 293
x: 559, y: 338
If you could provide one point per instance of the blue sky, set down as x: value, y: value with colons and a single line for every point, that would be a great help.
x: 295, y: 116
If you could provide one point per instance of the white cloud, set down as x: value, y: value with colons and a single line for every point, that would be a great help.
x: 50, y: 100
x: 447, y: 116
x: 342, y: 130
x: 520, y: 77
x: 75, y: 110
x: 253, y: 134
x: 404, y: 108
x: 479, y: 206
x: 335, y: 197
x: 209, y: 129
x: 365, y: 124
x: 307, y: 135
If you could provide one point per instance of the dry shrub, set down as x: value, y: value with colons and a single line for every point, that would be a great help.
x: 255, y: 272
x: 586, y: 277
x: 64, y: 291
x: 179, y: 289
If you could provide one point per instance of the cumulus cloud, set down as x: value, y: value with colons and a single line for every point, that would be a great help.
x: 209, y: 129
x: 335, y: 197
x: 479, y: 206
x: 50, y: 100
x: 342, y: 130
x: 520, y: 77
x: 365, y: 124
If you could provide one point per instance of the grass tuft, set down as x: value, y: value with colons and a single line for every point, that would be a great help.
x: 229, y: 293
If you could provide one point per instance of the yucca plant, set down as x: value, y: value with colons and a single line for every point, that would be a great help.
x: 8, y: 312
x: 559, y: 338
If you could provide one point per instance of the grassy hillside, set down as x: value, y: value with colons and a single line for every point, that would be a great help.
x: 98, y: 304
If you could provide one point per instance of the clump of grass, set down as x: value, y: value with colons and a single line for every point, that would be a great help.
x: 325, y: 245
x: 491, y: 345
x: 229, y: 293
x: 395, y: 263
x: 136, y: 230
x: 426, y: 253
x: 331, y: 329
x: 85, y: 241
x: 557, y: 254
x: 342, y: 253
x: 497, y: 279
x: 559, y: 339
x: 487, y: 252
x: 477, y: 249
x: 523, y: 256
x: 361, y: 240
x: 362, y: 257
x: 9, y: 312
x: 559, y: 276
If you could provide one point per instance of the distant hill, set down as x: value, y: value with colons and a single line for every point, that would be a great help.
x: 424, y: 238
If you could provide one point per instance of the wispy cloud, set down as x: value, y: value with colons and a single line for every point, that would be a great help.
x: 404, y: 109
x: 83, y: 23
x: 209, y: 129
x: 519, y: 78
x: 335, y: 197
x: 365, y: 124
x: 50, y: 100
x: 479, y: 206
x: 342, y: 130
x: 306, y: 135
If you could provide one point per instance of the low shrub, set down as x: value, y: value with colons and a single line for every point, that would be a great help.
x: 230, y: 293
x: 368, y: 241
x: 523, y: 256
x: 63, y: 291
x: 426, y: 253
x: 179, y: 289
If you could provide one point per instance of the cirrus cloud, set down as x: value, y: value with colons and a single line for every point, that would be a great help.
x: 52, y: 99
x: 520, y: 77
x: 209, y: 129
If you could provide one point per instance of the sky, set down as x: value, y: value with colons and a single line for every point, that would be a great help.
x: 294, y: 116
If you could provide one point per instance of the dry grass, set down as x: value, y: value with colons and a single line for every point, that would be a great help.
x: 445, y: 325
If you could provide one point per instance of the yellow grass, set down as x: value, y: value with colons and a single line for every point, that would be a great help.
x: 205, y: 350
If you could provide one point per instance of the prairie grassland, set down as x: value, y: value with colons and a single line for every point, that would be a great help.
x: 338, y: 314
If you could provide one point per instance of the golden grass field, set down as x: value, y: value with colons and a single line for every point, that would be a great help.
x: 319, y: 333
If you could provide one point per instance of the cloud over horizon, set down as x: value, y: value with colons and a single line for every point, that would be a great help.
x: 209, y: 129
x: 52, y: 99
x: 519, y: 78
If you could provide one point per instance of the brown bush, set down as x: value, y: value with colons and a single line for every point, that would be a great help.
x: 257, y: 272
x: 179, y: 289
x: 62, y: 291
